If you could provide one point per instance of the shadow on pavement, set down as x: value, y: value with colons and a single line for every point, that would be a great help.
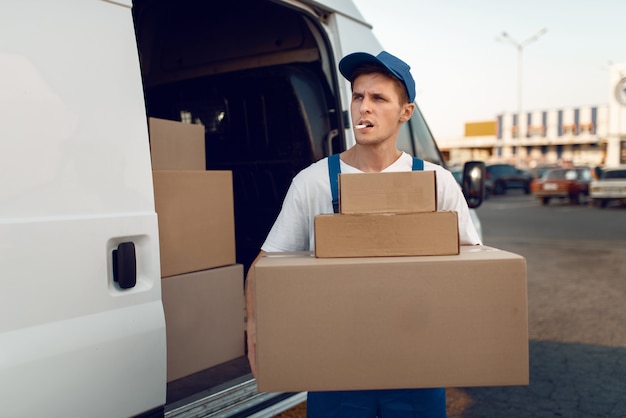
x: 566, y: 380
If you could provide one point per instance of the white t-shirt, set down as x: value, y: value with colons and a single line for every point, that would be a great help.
x: 310, y: 195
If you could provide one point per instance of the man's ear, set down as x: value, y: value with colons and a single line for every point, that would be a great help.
x: 407, y: 112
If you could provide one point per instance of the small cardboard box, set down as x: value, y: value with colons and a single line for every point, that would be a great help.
x: 196, y: 220
x: 397, y: 192
x: 391, y: 322
x: 374, y: 235
x: 176, y: 145
x: 204, y: 317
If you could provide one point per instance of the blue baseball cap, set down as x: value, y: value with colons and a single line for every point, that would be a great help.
x: 398, y: 68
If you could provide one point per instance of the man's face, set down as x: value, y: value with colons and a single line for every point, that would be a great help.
x: 377, y: 103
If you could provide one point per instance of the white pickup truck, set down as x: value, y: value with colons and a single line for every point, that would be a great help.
x: 611, y: 186
x: 78, y: 81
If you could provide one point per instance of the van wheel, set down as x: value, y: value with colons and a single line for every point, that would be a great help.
x: 545, y: 200
x: 499, y: 188
x: 574, y: 199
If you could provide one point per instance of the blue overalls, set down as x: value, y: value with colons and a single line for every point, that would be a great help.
x: 392, y: 403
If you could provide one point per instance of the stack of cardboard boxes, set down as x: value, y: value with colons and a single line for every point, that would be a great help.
x: 387, y: 214
x: 202, y: 286
x: 355, y: 315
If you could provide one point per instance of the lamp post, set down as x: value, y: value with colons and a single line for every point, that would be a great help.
x: 505, y: 37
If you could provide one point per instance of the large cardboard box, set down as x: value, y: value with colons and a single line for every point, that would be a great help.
x: 176, y: 145
x: 204, y: 316
x: 196, y: 220
x: 373, y: 235
x: 396, y: 192
x: 391, y: 322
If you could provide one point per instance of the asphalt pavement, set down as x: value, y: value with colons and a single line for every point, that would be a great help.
x: 577, y: 349
x: 576, y: 265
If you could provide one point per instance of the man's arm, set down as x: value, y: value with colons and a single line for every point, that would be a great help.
x: 250, y: 318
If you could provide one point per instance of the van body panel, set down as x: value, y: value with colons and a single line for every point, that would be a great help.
x: 80, y: 372
x: 125, y: 3
x: 343, y: 7
x: 61, y: 269
x: 75, y: 183
x: 64, y: 159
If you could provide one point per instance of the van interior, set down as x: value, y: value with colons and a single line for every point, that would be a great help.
x: 252, y: 73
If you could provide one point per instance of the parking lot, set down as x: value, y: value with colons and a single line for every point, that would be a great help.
x: 576, y: 287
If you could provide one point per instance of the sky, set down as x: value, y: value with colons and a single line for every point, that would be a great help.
x: 465, y: 74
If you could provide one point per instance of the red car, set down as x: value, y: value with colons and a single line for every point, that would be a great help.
x: 564, y: 183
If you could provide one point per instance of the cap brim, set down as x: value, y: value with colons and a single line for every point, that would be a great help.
x: 351, y: 62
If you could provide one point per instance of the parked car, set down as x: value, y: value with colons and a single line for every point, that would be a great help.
x: 609, y: 187
x: 457, y: 173
x: 563, y: 183
x: 502, y: 177
x: 539, y: 170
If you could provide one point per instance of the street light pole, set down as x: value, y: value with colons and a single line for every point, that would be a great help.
x: 505, y: 37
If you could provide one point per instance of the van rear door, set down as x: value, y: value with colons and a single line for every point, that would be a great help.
x: 75, y: 187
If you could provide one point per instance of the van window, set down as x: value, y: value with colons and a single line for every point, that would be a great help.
x: 422, y: 139
x: 405, y: 141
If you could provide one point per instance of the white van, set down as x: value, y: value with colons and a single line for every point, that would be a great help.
x: 78, y: 81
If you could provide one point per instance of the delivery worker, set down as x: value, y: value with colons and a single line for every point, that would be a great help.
x: 383, y: 92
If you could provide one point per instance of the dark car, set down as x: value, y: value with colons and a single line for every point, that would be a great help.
x: 563, y: 183
x: 457, y: 173
x: 502, y: 177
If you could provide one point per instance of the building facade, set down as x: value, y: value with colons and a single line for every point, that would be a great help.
x: 585, y: 135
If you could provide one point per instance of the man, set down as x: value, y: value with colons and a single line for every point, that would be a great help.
x: 383, y: 92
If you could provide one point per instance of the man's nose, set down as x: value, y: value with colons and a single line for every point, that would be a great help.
x: 365, y: 105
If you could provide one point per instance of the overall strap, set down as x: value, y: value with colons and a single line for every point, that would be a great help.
x: 418, y: 165
x: 334, y: 168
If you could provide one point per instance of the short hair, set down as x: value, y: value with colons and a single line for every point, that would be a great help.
x: 380, y: 69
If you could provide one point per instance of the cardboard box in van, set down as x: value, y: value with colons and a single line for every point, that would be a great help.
x: 196, y: 220
x: 397, y: 192
x: 204, y: 316
x: 176, y: 145
x: 374, y: 235
x: 391, y: 322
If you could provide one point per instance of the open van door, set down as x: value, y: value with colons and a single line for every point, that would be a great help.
x: 82, y: 329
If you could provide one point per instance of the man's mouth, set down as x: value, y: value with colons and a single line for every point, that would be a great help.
x: 364, y: 125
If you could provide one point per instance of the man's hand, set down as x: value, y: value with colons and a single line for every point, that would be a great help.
x: 251, y: 331
x: 250, y: 319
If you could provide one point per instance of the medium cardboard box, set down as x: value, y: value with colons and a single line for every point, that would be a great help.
x: 391, y: 322
x: 196, y: 220
x: 397, y: 192
x: 176, y: 145
x: 373, y: 235
x: 204, y: 317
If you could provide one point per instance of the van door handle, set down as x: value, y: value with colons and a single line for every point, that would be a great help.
x: 125, y: 265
